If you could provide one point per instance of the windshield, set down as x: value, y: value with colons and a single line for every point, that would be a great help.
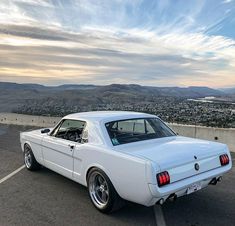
x: 133, y: 130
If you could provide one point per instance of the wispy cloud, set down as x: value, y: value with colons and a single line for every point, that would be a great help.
x: 227, y: 1
x: 145, y: 42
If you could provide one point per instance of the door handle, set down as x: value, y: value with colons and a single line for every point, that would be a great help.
x: 71, y: 146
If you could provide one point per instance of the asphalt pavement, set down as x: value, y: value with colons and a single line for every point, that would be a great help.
x: 47, y: 198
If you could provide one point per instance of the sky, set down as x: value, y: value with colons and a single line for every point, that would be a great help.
x: 146, y: 42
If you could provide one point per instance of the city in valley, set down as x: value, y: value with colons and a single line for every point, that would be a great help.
x: 191, y: 105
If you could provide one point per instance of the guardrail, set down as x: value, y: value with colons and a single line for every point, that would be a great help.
x: 226, y: 136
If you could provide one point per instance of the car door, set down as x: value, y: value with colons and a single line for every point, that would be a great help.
x: 59, y: 145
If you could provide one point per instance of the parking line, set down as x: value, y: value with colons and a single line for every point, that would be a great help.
x: 160, y: 221
x: 11, y: 174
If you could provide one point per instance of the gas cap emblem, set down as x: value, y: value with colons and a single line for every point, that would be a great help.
x: 196, y: 166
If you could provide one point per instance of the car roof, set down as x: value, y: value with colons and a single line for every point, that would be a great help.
x: 107, y: 115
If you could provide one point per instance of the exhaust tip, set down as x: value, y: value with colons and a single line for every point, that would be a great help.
x: 213, y: 181
x: 161, y: 201
x: 172, y: 197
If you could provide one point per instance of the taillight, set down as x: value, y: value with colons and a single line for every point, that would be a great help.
x: 224, y: 160
x: 163, y: 178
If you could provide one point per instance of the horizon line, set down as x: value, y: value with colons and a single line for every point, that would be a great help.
x: 92, y: 84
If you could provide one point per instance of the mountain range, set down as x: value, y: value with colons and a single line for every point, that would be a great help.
x: 228, y: 90
x: 191, y: 91
x: 14, y: 95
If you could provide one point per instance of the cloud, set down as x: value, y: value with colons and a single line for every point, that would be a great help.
x: 227, y: 1
x: 32, y: 32
x: 83, y: 42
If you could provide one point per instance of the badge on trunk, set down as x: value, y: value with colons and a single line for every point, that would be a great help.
x: 196, y: 166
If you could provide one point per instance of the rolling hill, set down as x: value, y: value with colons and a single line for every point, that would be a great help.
x: 15, y: 96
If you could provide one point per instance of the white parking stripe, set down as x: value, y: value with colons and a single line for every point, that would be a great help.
x: 160, y: 221
x: 11, y: 174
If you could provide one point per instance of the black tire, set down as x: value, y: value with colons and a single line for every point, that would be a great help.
x: 29, y: 159
x: 113, y: 202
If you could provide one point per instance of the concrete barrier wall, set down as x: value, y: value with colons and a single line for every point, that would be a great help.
x: 30, y: 120
x: 222, y: 135
x: 226, y: 136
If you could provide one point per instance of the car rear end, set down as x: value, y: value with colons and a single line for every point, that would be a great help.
x: 175, y: 165
x: 172, y: 182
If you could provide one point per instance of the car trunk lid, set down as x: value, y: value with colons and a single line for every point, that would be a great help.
x: 178, y: 155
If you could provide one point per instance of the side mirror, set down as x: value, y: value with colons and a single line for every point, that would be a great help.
x: 45, y: 130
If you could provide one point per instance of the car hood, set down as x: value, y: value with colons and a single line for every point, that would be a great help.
x: 172, y: 151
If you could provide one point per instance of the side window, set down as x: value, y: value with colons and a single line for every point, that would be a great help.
x: 70, y: 130
x: 149, y: 128
x: 139, y: 126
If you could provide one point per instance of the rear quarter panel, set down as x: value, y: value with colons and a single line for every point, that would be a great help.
x: 127, y: 173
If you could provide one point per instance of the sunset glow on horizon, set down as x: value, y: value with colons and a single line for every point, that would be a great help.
x: 146, y: 42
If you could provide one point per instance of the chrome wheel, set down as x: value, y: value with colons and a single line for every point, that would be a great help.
x: 28, y: 157
x: 98, y: 189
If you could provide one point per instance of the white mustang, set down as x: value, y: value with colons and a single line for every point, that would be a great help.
x: 125, y: 156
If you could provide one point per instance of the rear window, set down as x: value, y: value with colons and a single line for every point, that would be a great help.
x: 134, y: 130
